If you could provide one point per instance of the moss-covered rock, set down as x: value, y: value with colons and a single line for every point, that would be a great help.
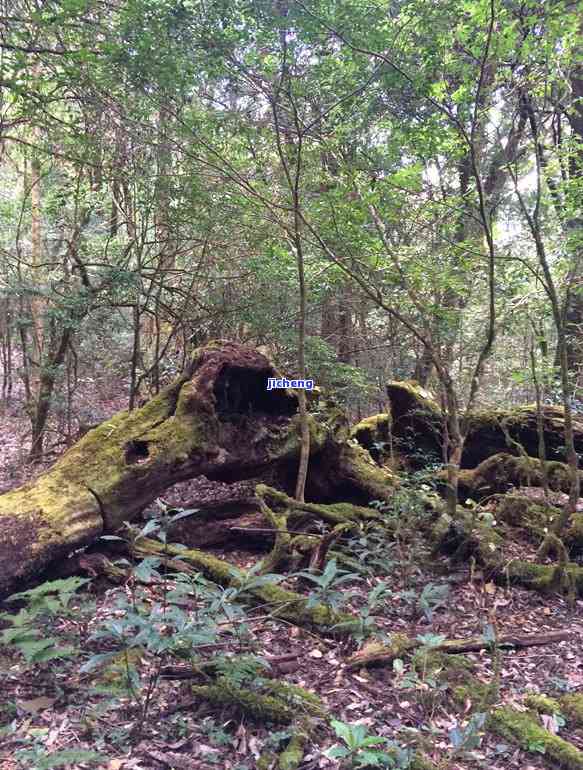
x: 502, y: 471
x: 467, y: 536
x: 545, y: 578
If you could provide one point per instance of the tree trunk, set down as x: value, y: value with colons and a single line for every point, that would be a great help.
x: 217, y: 420
x: 573, y: 306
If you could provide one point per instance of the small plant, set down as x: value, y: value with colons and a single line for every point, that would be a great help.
x: 39, y: 758
x: 242, y: 670
x: 359, y: 749
x: 215, y: 733
x: 431, y: 598
x: 468, y: 736
x: 364, y: 626
x: 372, y: 549
x: 188, y: 612
x: 28, y: 628
x: 327, y: 584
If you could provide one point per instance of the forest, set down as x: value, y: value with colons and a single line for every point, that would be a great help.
x: 291, y: 365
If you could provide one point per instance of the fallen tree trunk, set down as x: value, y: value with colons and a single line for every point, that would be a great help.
x: 502, y: 472
x: 415, y: 427
x: 216, y: 420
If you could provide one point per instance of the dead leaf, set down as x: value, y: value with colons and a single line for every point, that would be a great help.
x: 241, y: 735
x: 550, y: 723
x: 36, y: 704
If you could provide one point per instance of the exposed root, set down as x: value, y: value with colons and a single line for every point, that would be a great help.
x: 280, y: 551
x: 465, y: 537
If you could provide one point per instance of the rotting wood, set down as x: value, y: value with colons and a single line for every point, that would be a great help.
x: 217, y: 419
x: 375, y: 653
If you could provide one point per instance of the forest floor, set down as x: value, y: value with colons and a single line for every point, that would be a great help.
x: 55, y: 706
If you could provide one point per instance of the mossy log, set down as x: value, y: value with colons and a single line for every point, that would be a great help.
x: 416, y: 425
x: 218, y: 420
x: 277, y: 702
x: 503, y: 471
x: 524, y: 729
x: 377, y: 653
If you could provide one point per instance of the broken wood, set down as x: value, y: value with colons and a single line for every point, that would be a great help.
x: 375, y: 653
x: 218, y: 420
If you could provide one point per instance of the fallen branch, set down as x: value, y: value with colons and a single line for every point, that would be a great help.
x: 376, y: 653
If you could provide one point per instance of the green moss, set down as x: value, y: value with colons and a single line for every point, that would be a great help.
x: 359, y: 469
x: 573, y: 537
x: 372, y: 424
x: 467, y: 536
x: 250, y: 704
x: 522, y: 728
x: 301, y: 699
x: 291, y: 757
x: 519, y: 511
x: 502, y: 471
x: 542, y: 704
x: 278, y: 702
x: 572, y: 708
x: 454, y: 668
x: 374, y: 434
x: 334, y: 513
x: 539, y: 577
x: 415, y: 395
x: 353, y: 512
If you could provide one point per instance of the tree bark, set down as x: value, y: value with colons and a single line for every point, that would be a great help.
x: 217, y: 420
